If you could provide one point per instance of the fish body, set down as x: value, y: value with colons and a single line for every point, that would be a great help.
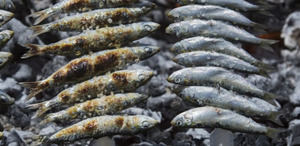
x: 216, y: 76
x: 219, y: 45
x: 212, y: 28
x: 98, y: 63
x: 7, y: 5
x: 5, y: 99
x: 95, y: 40
x: 5, y: 16
x: 207, y: 58
x: 116, y: 82
x: 5, y: 57
x: 66, y: 6
x: 222, y: 98
x: 106, y: 105
x: 209, y: 12
x: 212, y: 117
x: 93, y: 20
x: 234, y: 4
x: 103, y: 126
x: 5, y: 36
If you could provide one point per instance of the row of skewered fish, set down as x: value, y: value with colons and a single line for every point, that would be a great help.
x: 102, y: 53
x: 211, y: 79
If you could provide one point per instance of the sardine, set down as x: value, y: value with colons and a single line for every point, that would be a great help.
x: 66, y: 6
x: 5, y: 36
x: 95, y: 40
x: 106, y: 105
x: 116, y: 82
x: 207, y: 58
x: 5, y: 16
x: 217, y: 45
x: 85, y: 67
x: 212, y: 28
x: 212, y: 117
x: 7, y: 5
x: 5, y: 99
x: 5, y: 57
x: 103, y: 126
x: 222, y: 98
x: 210, y: 12
x: 217, y: 77
x: 93, y: 20
x: 234, y: 4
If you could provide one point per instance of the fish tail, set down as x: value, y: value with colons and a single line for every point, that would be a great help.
x: 264, y: 73
x: 40, y: 29
x: 269, y: 96
x: 274, y: 132
x: 42, y: 109
x: 33, y: 50
x: 268, y: 42
x: 41, y: 15
x: 264, y: 66
x: 275, y: 117
x: 47, y: 120
x: 259, y: 26
x: 34, y: 88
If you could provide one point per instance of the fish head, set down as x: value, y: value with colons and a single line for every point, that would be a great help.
x: 6, y: 99
x: 6, y: 35
x: 182, y: 120
x: 144, y: 52
x: 176, y: 48
x: 142, y: 76
x: 4, y: 57
x: 177, y: 78
x: 173, y: 14
x: 173, y: 28
x: 177, y: 89
x: 148, y: 27
x: 145, y: 122
x: 5, y: 16
x: 7, y: 4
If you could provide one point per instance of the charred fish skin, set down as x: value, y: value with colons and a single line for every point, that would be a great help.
x: 106, y: 105
x: 5, y: 36
x: 7, y: 5
x: 116, y: 82
x: 206, y: 58
x: 216, y: 76
x: 219, y: 45
x: 5, y: 99
x: 220, y: 118
x: 212, y: 28
x: 209, y: 12
x: 78, y: 5
x: 90, y: 65
x: 5, y: 16
x: 222, y: 98
x: 93, y: 20
x: 95, y: 40
x: 5, y: 57
x: 103, y: 126
x: 234, y: 4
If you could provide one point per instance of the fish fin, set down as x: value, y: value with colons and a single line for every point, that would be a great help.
x: 33, y: 86
x: 42, y: 109
x: 33, y: 50
x: 46, y: 120
x: 40, y: 29
x: 275, y: 118
x: 41, y: 15
x: 274, y: 132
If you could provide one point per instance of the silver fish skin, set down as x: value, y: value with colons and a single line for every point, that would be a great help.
x: 5, y: 99
x: 116, y: 82
x: 5, y: 16
x: 93, y: 20
x: 7, y: 5
x: 5, y: 57
x: 106, y: 105
x: 5, y: 36
x: 234, y: 4
x: 222, y: 98
x: 216, y: 76
x: 103, y: 126
x: 212, y: 28
x: 221, y: 118
x: 77, y: 6
x: 207, y: 58
x: 209, y: 12
x: 95, y: 40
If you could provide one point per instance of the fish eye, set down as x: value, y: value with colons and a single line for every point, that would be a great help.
x: 147, y: 27
x: 179, y: 122
x: 145, y: 124
x: 1, y: 17
x: 148, y: 49
x: 141, y: 77
x: 177, y: 80
x: 1, y: 37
